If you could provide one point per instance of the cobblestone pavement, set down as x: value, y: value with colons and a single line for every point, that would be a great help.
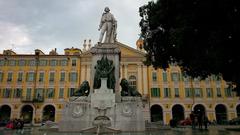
x: 213, y: 130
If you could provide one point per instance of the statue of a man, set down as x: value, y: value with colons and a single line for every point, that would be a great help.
x: 108, y: 25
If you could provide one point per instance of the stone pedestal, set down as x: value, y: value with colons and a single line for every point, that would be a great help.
x: 112, y: 52
x: 103, y: 107
x: 82, y: 113
x: 76, y: 115
x: 130, y: 114
x: 103, y: 98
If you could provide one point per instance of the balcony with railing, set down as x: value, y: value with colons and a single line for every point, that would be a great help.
x: 32, y: 99
x: 38, y: 99
x: 26, y: 98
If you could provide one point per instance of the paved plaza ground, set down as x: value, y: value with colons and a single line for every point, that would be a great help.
x: 213, y: 130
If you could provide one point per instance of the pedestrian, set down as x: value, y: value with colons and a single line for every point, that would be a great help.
x: 22, y: 125
x: 200, y: 120
x: 18, y: 125
x: 205, y: 121
x: 192, y: 117
x: 10, y: 124
x: 173, y: 123
x: 14, y: 123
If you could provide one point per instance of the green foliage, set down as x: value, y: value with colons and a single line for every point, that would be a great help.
x: 200, y: 35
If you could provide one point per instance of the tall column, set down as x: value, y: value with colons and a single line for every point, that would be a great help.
x: 139, y: 78
x: 125, y: 71
x: 83, y: 71
x: 88, y: 73
x: 121, y: 72
x: 145, y: 82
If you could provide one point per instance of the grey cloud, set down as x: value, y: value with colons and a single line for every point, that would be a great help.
x: 66, y: 23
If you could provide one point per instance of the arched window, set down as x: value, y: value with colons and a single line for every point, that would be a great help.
x: 156, y: 113
x: 238, y: 110
x: 49, y: 113
x: 5, y: 113
x: 178, y: 112
x: 133, y: 81
x: 27, y: 113
x: 221, y: 114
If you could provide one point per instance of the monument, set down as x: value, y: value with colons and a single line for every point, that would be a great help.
x: 101, y: 106
x: 108, y: 25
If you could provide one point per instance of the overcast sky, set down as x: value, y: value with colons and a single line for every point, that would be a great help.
x: 26, y: 25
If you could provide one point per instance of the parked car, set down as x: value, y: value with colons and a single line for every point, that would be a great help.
x: 234, y: 121
x: 185, y: 122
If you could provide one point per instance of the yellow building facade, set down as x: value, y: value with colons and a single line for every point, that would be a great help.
x: 35, y: 87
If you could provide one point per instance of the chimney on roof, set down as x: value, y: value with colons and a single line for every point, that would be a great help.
x: 84, y: 45
x: 89, y: 44
x: 53, y: 52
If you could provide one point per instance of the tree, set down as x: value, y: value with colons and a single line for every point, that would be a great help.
x: 200, y: 35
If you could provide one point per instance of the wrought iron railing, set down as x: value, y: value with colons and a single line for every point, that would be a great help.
x: 32, y: 99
